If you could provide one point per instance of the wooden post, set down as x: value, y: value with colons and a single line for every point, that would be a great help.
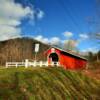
x: 36, y: 56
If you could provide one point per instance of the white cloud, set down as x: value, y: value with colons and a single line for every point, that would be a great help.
x: 11, y: 14
x: 9, y: 22
x: 40, y: 14
x: 11, y: 10
x: 9, y: 32
x: 83, y: 36
x: 90, y: 49
x: 68, y: 34
x: 55, y: 41
x: 42, y: 39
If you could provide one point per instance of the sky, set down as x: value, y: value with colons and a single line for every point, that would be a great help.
x: 49, y: 21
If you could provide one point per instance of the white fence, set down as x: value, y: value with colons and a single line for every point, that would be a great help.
x: 28, y: 63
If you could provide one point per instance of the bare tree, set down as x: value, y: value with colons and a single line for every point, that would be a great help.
x: 70, y: 45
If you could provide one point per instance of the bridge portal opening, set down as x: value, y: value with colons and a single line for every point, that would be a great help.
x: 54, y: 57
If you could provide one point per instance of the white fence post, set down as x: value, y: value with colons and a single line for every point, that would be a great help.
x: 58, y: 64
x: 41, y: 63
x: 46, y: 63
x: 16, y: 65
x: 26, y: 63
x: 6, y: 65
x: 52, y: 64
x: 34, y: 64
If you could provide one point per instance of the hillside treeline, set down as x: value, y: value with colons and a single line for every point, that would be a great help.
x: 94, y: 56
x: 20, y: 49
x: 94, y: 60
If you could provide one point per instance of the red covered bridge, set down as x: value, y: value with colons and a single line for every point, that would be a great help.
x: 66, y: 59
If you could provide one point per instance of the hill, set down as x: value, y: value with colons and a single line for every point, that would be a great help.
x: 47, y: 84
x: 20, y: 49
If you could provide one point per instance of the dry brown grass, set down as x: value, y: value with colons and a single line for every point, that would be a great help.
x: 47, y: 84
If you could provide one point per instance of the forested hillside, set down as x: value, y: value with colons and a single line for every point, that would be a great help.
x: 20, y: 49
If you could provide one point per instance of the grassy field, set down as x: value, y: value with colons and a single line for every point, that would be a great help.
x: 47, y: 84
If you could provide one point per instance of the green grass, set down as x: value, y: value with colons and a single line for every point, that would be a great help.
x: 47, y: 84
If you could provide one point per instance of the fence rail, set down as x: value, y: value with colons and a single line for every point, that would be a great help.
x: 28, y: 63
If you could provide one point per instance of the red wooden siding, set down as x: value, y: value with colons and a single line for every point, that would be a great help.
x: 66, y: 60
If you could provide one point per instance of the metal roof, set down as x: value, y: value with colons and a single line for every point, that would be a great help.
x: 69, y: 52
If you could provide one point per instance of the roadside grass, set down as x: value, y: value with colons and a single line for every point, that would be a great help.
x: 47, y: 84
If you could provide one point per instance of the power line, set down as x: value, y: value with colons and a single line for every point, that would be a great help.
x: 85, y: 23
x: 70, y: 16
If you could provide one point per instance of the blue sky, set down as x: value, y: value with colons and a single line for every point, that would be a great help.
x: 54, y: 20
